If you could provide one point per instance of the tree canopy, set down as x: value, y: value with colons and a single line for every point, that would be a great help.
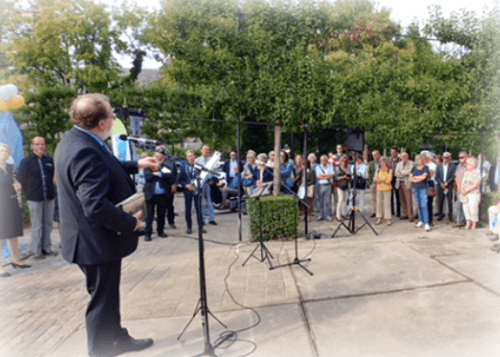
x: 328, y: 65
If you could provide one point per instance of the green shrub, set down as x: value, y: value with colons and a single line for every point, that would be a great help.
x: 487, y: 200
x: 273, y: 217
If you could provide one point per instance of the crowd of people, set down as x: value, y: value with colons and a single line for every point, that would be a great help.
x: 428, y: 188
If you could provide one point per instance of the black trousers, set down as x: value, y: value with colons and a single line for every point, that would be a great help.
x: 102, y: 318
x: 430, y: 201
x: 449, y: 197
x: 161, y: 203
x: 189, y: 197
x: 395, y: 192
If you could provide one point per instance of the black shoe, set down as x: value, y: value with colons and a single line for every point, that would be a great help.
x: 50, y: 254
x: 130, y: 344
x: 20, y: 266
x: 147, y: 239
x: 162, y: 235
x: 203, y: 230
x: 173, y: 226
x: 213, y: 223
x: 189, y: 231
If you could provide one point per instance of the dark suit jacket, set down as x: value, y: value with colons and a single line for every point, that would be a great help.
x: 166, y: 180
x: 90, y: 182
x: 450, y: 175
x: 491, y: 178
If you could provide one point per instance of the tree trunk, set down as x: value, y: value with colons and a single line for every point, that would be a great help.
x: 277, y: 166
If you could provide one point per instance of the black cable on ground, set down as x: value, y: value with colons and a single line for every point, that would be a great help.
x: 231, y: 336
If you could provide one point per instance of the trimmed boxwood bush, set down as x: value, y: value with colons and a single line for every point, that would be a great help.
x: 487, y: 200
x: 273, y: 217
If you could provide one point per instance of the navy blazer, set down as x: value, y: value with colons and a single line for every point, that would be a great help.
x: 90, y: 182
x: 166, y: 180
x: 450, y: 175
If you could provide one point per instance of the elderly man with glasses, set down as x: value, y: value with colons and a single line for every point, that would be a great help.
x: 445, y: 174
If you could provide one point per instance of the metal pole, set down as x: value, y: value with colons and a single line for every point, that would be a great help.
x: 304, y: 178
x: 239, y: 178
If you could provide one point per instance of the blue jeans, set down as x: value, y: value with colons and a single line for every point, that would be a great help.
x: 207, y: 205
x: 421, y: 198
x: 42, y: 215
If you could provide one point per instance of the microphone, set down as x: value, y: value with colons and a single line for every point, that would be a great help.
x: 140, y: 141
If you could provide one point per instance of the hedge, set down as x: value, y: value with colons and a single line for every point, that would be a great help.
x: 273, y: 217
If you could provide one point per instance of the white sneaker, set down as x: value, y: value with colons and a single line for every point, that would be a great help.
x: 427, y: 228
x: 419, y: 224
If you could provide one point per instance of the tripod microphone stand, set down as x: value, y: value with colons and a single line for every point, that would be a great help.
x: 351, y: 225
x: 202, y: 305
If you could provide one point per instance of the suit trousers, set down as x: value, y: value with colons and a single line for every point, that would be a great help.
x: 442, y: 197
x: 160, y: 202
x: 189, y: 197
x: 373, y: 190
x: 102, y: 318
x: 406, y: 200
x: 460, y: 216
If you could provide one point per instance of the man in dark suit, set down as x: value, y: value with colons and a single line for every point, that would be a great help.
x: 187, y: 177
x: 445, y: 174
x: 96, y: 235
x: 159, y: 192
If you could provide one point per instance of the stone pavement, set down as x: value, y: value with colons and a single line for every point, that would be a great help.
x: 404, y: 292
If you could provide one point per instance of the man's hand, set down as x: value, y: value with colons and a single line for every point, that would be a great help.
x: 17, y: 186
x: 190, y: 187
x: 149, y: 163
x: 138, y: 216
x: 174, y: 188
x: 443, y: 186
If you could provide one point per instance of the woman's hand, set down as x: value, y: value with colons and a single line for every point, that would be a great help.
x: 17, y: 186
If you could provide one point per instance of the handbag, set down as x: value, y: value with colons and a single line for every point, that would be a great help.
x: 360, y: 183
x: 310, y: 191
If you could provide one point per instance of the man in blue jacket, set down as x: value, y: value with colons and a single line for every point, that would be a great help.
x: 96, y: 234
x: 36, y: 175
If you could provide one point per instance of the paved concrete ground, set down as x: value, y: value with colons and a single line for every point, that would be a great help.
x: 402, y: 293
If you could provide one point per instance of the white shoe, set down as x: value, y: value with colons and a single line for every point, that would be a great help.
x: 427, y: 228
x: 419, y: 224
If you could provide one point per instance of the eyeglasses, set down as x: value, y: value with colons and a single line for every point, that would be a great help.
x: 462, y: 157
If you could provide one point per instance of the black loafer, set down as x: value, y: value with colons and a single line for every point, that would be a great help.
x: 173, y: 226
x: 130, y: 344
x: 147, y: 238
x: 189, y: 231
x: 162, y: 235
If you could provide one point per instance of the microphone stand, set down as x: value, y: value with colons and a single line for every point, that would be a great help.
x: 202, y: 305
x: 296, y: 260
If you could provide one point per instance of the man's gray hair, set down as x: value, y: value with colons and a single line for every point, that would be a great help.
x: 446, y: 154
x: 311, y: 156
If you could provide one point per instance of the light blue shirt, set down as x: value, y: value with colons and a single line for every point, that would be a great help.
x: 322, y: 170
